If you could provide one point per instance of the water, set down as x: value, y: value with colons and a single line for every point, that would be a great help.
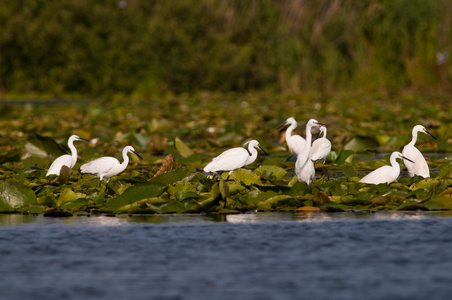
x: 252, y: 256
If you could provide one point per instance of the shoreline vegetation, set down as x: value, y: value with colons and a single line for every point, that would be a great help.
x: 142, y: 48
x: 183, y: 81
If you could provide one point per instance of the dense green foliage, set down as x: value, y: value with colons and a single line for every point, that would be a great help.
x: 99, y: 48
x: 195, y: 128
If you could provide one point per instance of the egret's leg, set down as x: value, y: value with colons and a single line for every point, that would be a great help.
x: 106, y: 186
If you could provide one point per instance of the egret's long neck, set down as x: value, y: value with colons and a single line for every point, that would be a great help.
x: 253, y: 156
x: 126, y: 159
x: 395, y: 165
x: 290, y: 129
x: 324, y: 132
x: 73, y: 152
x: 304, y: 154
x: 414, y: 137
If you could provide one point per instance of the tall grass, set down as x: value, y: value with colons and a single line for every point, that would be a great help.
x: 142, y: 47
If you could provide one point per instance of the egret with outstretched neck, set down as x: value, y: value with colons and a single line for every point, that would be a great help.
x: 66, y: 159
x: 386, y: 174
x: 295, y: 143
x: 233, y: 159
x: 304, y: 167
x: 321, y: 148
x: 106, y: 167
x: 420, y: 167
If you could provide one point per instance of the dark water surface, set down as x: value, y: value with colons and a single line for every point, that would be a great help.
x: 253, y: 256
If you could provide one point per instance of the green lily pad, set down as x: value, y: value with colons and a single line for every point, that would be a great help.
x: 68, y: 195
x: 15, y: 198
x: 345, y: 156
x: 172, y: 176
x: 361, y: 143
x: 134, y: 194
x: 269, y: 172
x: 246, y: 176
x: 48, y: 145
x: 183, y: 149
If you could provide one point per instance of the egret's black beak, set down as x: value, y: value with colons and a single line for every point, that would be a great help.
x: 282, y: 126
x: 320, y: 124
x: 83, y: 140
x: 430, y: 134
x: 263, y: 150
x: 401, y: 156
x: 137, y: 155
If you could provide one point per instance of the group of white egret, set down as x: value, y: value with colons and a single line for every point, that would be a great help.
x: 307, y: 152
x: 103, y: 167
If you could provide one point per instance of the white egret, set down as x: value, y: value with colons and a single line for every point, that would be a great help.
x: 420, y: 167
x: 304, y: 167
x: 386, y: 174
x: 234, y: 159
x: 106, y: 167
x: 294, y: 142
x: 66, y: 159
x: 321, y: 148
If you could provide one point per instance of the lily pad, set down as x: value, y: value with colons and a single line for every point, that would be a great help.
x: 134, y: 194
x: 16, y: 198
x: 183, y: 149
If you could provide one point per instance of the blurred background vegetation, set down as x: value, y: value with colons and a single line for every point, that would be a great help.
x: 142, y: 48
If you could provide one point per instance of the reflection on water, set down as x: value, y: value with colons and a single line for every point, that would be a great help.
x: 120, y: 220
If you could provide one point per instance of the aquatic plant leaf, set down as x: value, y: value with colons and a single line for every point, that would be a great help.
x: 276, y: 199
x: 15, y: 198
x: 10, y: 156
x: 321, y: 197
x: 135, y: 193
x: 269, y: 172
x: 65, y: 173
x: 361, y: 143
x: 140, y: 139
x: 411, y: 205
x: 183, y: 195
x: 349, y: 172
x: 172, y: 176
x: 445, y: 171
x: 168, y: 164
x: 48, y: 145
x: 68, y: 195
x: 172, y: 207
x: 434, y: 205
x: 76, y: 205
x: 308, y: 209
x: 345, y: 156
x: 246, y: 176
x: 299, y: 188
x: 183, y: 149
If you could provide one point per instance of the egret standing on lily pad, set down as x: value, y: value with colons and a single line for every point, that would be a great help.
x: 294, y: 142
x: 304, y: 167
x: 234, y: 159
x: 420, y: 167
x: 386, y: 174
x: 106, y: 167
x: 66, y: 159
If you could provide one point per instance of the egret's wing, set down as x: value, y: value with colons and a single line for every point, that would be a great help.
x: 55, y: 167
x: 228, y: 160
x: 420, y: 166
x: 380, y: 175
x: 320, y: 149
x: 296, y: 144
x: 100, y: 166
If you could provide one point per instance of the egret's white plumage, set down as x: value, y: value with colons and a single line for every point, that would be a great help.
x: 295, y: 143
x: 233, y: 159
x: 420, y: 167
x: 106, y: 167
x: 386, y: 174
x: 304, y: 167
x: 66, y: 159
x: 321, y: 147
